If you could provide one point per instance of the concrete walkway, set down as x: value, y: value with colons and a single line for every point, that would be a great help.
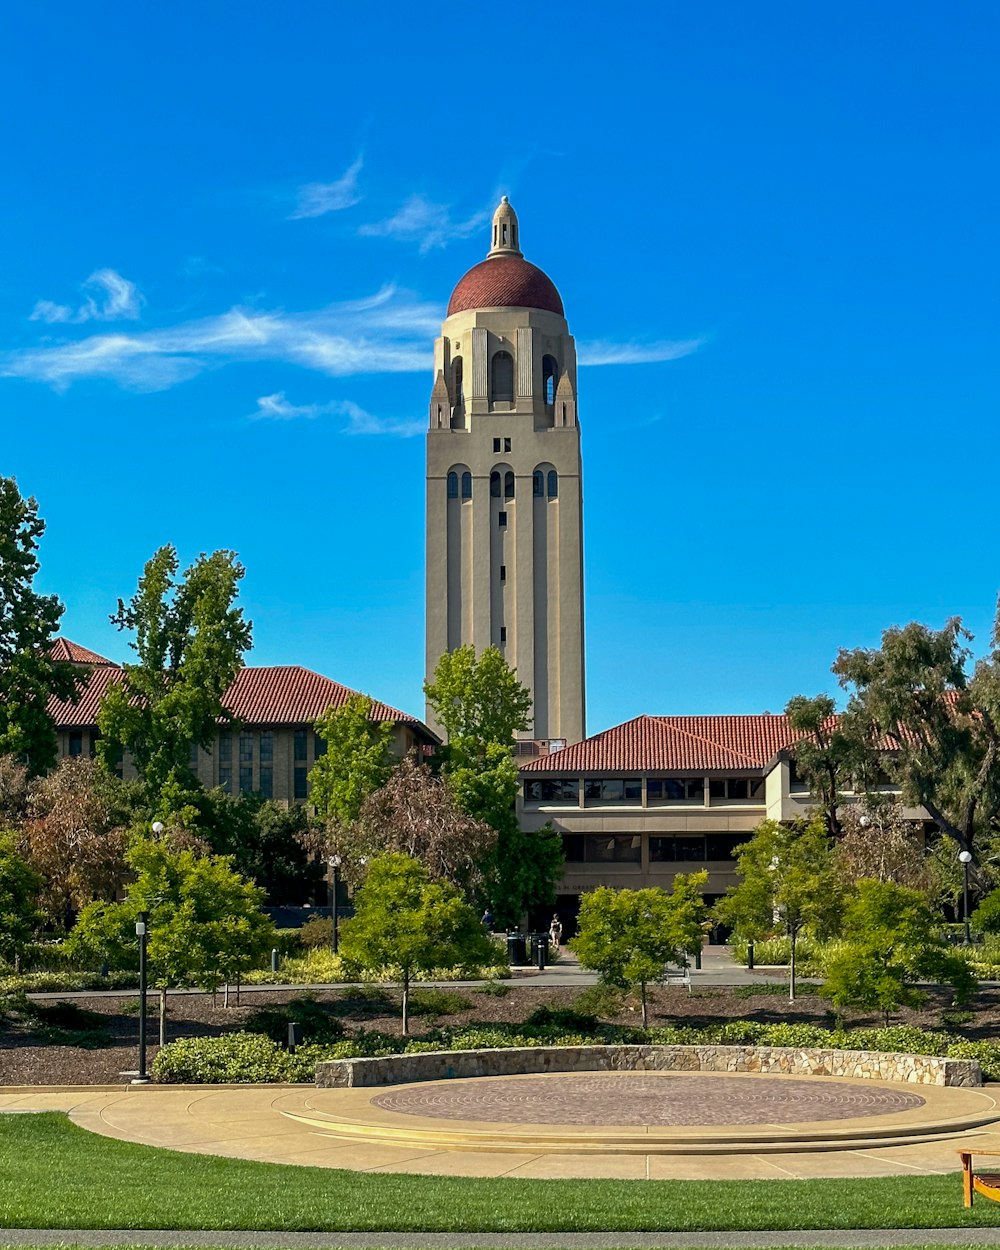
x: 300, y: 1124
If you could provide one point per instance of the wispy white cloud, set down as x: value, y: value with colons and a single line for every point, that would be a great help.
x: 107, y: 297
x: 388, y: 332
x: 604, y: 352
x: 318, y: 198
x: 278, y: 408
x: 429, y: 225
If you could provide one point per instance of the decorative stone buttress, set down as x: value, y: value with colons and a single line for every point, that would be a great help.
x: 504, y: 493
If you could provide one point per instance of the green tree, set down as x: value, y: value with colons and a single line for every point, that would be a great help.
x: 29, y: 676
x: 189, y: 638
x: 631, y: 937
x: 19, y: 912
x: 934, y: 725
x: 894, y: 942
x: 789, y: 880
x: 205, y: 923
x: 357, y: 762
x: 405, y: 922
x: 830, y: 756
x: 482, y: 706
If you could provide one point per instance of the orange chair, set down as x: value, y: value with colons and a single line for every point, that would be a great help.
x: 985, y: 1183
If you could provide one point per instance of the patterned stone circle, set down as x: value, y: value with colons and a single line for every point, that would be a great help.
x: 658, y: 1100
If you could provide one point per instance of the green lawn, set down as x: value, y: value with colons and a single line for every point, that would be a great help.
x: 55, y: 1175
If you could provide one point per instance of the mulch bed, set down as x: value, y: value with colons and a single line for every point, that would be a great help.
x: 28, y: 1057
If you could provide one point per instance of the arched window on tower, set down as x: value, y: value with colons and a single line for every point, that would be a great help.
x: 495, y: 485
x: 553, y: 484
x: 502, y: 389
x: 453, y: 485
x: 550, y: 370
x: 466, y: 485
x: 508, y: 485
x: 458, y: 384
x: 538, y: 483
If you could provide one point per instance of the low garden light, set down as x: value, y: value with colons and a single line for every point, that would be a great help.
x: 141, y: 932
x: 335, y: 862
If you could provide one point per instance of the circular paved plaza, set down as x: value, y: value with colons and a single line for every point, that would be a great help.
x: 647, y: 1099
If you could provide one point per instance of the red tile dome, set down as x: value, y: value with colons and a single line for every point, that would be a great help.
x: 505, y: 280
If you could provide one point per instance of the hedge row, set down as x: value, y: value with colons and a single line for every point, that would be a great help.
x: 245, y: 1058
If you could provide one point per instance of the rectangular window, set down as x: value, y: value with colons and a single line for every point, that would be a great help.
x: 300, y: 783
x: 723, y: 845
x: 501, y: 519
x: 267, y: 781
x: 503, y: 633
x: 267, y: 746
x: 226, y: 777
x: 572, y: 845
x: 675, y: 790
x: 503, y: 572
x: 246, y: 748
x: 737, y: 789
x: 76, y: 743
x: 683, y: 849
x: 319, y: 747
x: 95, y: 735
x: 246, y: 779
x: 619, y: 848
x: 496, y: 444
x: 225, y: 747
x: 506, y: 444
x: 299, y: 749
x: 555, y: 790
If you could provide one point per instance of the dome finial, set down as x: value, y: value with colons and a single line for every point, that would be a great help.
x: 504, y: 231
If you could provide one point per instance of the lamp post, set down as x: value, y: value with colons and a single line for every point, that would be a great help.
x: 965, y: 859
x: 140, y: 932
x: 335, y: 862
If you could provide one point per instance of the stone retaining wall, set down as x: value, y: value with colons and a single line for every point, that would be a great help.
x: 785, y: 1060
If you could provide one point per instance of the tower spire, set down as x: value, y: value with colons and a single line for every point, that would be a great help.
x: 504, y: 231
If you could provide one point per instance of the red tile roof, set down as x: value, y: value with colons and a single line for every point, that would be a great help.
x: 73, y: 653
x: 284, y: 694
x: 505, y: 282
x: 675, y: 744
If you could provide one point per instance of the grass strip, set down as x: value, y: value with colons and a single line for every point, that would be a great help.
x: 57, y: 1175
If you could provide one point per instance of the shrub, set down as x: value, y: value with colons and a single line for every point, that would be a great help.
x: 67, y: 982
x: 774, y: 989
x: 233, y: 1058
x: 318, y: 931
x: 600, y: 1000
x: 318, y: 1026
x: 562, y: 1018
x: 438, y: 1002
x: 496, y: 989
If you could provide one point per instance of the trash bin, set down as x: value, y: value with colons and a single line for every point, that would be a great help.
x: 516, y: 954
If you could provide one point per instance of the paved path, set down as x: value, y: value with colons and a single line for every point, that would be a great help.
x: 860, y: 1238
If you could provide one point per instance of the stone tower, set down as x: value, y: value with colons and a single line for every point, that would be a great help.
x: 504, y: 491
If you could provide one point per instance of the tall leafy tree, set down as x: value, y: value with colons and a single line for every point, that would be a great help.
x: 358, y: 760
x: 205, y: 926
x: 892, y: 942
x: 935, y: 725
x: 789, y: 881
x: 482, y: 706
x: 190, y: 637
x: 416, y: 814
x: 631, y: 937
x: 830, y: 754
x: 29, y: 676
x: 405, y: 922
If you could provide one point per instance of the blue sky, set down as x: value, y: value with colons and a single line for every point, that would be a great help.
x: 230, y: 232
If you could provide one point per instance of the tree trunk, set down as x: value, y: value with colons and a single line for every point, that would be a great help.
x: 225, y: 996
x: 791, y: 967
x: 642, y: 999
x: 163, y: 1015
x: 406, y: 1003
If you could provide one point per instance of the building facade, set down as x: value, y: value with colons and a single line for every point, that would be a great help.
x: 504, y: 485
x: 274, y: 745
x: 661, y: 795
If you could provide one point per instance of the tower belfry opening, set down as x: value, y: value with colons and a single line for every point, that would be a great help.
x: 504, y: 489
